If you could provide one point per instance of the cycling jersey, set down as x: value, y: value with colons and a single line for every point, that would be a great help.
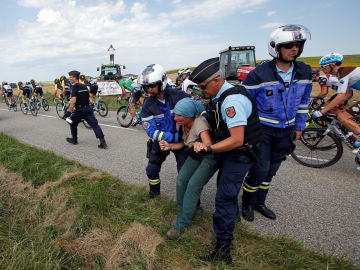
x: 127, y: 84
x: 349, y: 78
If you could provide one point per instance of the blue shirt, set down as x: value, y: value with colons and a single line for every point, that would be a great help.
x: 285, y: 75
x: 239, y: 105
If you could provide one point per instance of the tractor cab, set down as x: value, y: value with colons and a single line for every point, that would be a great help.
x: 234, y: 58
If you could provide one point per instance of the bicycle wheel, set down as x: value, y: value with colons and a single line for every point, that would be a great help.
x: 123, y: 116
x: 102, y: 108
x: 45, y: 105
x: 60, y: 110
x: 33, y: 108
x: 23, y: 107
x: 37, y: 103
x: 14, y: 106
x: 316, y: 150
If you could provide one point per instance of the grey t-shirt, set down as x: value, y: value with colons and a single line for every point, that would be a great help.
x: 200, y: 124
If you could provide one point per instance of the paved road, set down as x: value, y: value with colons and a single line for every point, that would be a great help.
x: 318, y: 207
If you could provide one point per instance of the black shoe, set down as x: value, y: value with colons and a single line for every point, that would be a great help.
x: 72, y: 140
x: 221, y: 253
x: 248, y: 212
x: 153, y: 195
x: 266, y: 212
x: 102, y: 144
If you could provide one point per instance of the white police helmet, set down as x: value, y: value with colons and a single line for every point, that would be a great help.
x: 287, y: 34
x: 153, y: 73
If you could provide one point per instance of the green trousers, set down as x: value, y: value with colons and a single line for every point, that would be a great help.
x: 192, y: 177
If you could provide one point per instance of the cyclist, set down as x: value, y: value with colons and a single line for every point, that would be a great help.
x: 124, y: 84
x: 25, y: 91
x: 92, y: 85
x: 65, y: 85
x: 136, y: 98
x: 36, y: 88
x: 57, y: 87
x: 343, y: 80
x: 8, y: 92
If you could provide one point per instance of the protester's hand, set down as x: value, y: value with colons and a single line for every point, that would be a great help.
x: 196, y: 154
x: 164, y: 145
x: 198, y: 146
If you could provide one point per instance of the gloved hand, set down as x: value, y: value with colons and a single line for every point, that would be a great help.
x: 316, y: 114
x: 66, y: 114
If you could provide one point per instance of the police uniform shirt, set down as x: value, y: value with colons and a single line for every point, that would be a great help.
x: 81, y: 92
x: 286, y: 75
x: 235, y: 109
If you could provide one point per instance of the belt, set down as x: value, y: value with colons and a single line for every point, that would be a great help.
x: 79, y: 107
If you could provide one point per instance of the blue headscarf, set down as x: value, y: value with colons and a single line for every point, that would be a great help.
x: 188, y: 107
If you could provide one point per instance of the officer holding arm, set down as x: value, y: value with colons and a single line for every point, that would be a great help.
x: 236, y: 135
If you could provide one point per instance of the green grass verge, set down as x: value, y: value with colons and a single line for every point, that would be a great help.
x: 58, y: 214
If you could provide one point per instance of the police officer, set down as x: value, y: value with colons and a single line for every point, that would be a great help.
x: 236, y: 137
x: 80, y: 109
x: 158, y: 121
x: 282, y: 90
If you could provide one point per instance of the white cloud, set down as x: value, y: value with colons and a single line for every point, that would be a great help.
x: 271, y: 13
x: 272, y: 25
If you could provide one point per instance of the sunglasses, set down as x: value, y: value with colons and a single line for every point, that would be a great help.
x: 290, y: 45
x: 203, y: 87
x: 151, y: 85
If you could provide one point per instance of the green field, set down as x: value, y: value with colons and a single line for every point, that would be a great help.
x: 58, y: 214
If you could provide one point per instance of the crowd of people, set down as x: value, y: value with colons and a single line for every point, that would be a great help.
x: 243, y: 133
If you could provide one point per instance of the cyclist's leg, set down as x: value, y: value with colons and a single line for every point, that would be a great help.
x: 345, y: 118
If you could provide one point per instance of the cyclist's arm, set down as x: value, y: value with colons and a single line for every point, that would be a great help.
x: 339, y: 99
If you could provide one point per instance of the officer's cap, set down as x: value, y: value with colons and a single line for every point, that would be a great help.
x: 205, y: 70
x: 74, y: 73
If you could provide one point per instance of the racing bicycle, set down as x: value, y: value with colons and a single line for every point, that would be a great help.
x: 321, y: 143
x: 124, y: 116
x: 41, y: 103
x: 29, y: 105
x: 100, y: 106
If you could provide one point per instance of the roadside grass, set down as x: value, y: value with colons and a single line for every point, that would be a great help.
x: 59, y: 214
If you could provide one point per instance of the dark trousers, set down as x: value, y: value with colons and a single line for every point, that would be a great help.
x: 233, y: 168
x: 87, y: 114
x: 157, y: 157
x: 276, y: 145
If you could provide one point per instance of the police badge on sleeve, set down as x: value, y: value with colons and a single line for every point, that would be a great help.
x: 230, y: 112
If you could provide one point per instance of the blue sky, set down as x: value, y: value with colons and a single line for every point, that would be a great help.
x: 43, y: 40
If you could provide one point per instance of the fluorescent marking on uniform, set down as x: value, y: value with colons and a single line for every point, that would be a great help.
x: 154, y: 182
x: 269, y: 120
x: 160, y: 135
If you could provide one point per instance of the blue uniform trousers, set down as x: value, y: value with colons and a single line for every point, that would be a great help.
x: 156, y: 159
x: 233, y: 168
x: 276, y: 145
x: 86, y: 113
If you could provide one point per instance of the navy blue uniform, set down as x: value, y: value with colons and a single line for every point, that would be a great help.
x: 282, y: 99
x: 158, y: 121
x: 83, y: 111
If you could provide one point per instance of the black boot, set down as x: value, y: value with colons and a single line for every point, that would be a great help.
x: 265, y: 211
x: 102, y: 144
x: 154, y: 190
x: 220, y: 253
x: 72, y: 140
x: 247, y: 211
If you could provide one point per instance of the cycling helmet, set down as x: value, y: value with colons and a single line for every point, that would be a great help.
x: 331, y: 58
x: 20, y: 83
x: 287, y: 34
x: 82, y: 77
x: 153, y: 73
x: 56, y: 81
x: 32, y: 81
x: 62, y: 78
x: 184, y: 71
